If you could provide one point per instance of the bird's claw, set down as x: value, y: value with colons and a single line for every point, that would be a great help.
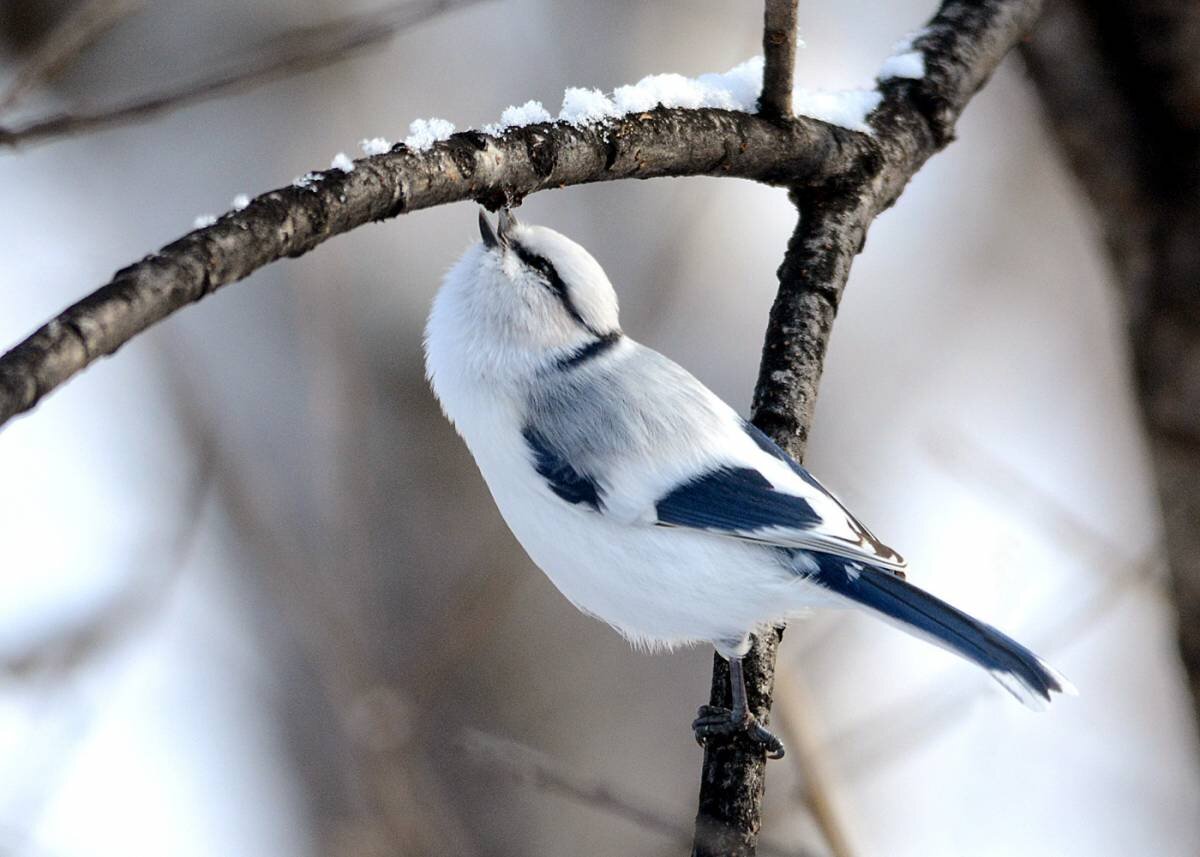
x: 713, y: 720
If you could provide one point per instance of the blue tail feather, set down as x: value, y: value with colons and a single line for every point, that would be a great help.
x: 1021, y: 672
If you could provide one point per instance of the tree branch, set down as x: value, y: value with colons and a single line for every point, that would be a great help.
x: 961, y: 46
x: 299, y: 50
x: 470, y: 165
x: 779, y: 51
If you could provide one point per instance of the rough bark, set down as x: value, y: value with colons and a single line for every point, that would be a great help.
x: 779, y: 55
x: 961, y: 45
x: 470, y: 165
x: 1120, y: 82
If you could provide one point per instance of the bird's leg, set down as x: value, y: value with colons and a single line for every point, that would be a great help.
x: 715, y: 720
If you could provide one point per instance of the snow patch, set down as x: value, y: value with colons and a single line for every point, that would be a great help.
x: 905, y: 61
x: 240, y: 201
x: 342, y: 162
x: 582, y: 107
x: 736, y: 89
x: 529, y: 113
x: 423, y: 133
x: 306, y: 181
x: 848, y: 108
x: 374, y: 146
x: 204, y: 220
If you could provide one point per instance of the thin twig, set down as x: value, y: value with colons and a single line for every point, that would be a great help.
x: 961, y: 46
x: 796, y: 720
x: 779, y: 53
x: 70, y: 36
x: 300, y: 50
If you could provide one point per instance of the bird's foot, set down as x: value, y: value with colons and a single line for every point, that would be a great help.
x: 713, y: 720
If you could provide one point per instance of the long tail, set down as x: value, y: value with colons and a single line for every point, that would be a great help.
x: 1020, y: 671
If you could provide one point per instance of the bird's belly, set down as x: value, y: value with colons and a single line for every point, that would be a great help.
x: 658, y: 586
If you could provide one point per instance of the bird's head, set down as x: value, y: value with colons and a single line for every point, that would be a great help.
x: 531, y: 290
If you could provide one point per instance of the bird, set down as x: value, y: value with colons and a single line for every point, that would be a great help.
x: 649, y: 502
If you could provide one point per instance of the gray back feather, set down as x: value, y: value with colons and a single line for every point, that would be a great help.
x: 637, y: 405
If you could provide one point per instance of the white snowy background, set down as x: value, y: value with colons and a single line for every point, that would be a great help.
x: 263, y: 481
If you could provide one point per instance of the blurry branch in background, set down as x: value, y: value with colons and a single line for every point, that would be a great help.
x: 82, y: 25
x: 397, y: 797
x: 122, y: 613
x: 1120, y: 83
x: 538, y: 770
x: 299, y: 50
x: 50, y: 666
x: 795, y: 710
x: 928, y: 713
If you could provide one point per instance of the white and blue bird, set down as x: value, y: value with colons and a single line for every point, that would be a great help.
x: 645, y: 498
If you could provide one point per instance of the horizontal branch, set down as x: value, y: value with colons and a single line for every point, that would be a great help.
x: 470, y: 165
x: 961, y: 46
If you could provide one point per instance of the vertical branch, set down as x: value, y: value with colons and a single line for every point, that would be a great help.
x: 811, y: 279
x: 779, y: 50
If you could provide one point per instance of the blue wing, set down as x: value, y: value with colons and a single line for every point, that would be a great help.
x: 736, y: 501
x: 739, y: 501
x: 563, y: 478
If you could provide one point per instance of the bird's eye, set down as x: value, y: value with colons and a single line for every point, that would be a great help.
x: 537, y: 263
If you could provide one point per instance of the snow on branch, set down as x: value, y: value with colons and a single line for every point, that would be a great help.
x: 960, y: 47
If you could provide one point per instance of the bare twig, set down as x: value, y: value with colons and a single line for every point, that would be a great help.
x: 779, y: 51
x: 961, y: 46
x: 299, y: 50
x: 82, y: 25
x: 799, y: 730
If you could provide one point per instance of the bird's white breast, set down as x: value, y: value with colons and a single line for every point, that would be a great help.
x: 660, y: 587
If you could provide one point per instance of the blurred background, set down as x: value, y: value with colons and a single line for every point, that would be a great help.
x: 256, y: 600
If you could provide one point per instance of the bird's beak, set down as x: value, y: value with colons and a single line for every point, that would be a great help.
x: 486, y: 232
x: 508, y: 222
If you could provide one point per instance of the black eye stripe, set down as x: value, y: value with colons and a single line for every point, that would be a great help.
x: 553, y: 281
x: 542, y: 265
